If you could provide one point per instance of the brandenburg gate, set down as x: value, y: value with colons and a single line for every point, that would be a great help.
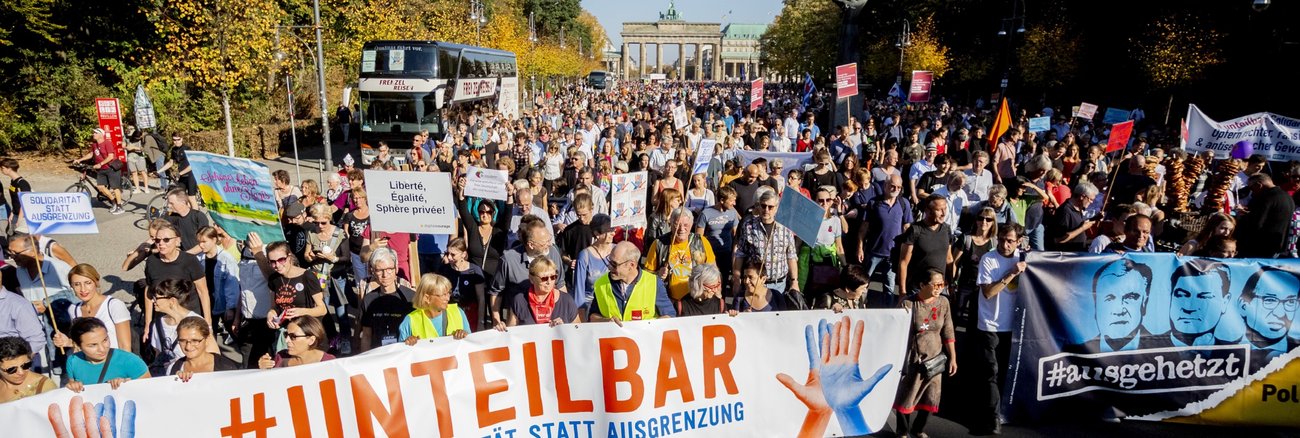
x: 730, y: 53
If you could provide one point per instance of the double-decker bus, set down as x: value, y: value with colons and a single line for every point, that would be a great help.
x: 406, y: 86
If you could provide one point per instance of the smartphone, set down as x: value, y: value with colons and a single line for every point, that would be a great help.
x: 1023, y: 255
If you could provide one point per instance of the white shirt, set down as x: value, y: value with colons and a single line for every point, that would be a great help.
x: 253, y: 291
x: 791, y: 128
x: 830, y: 230
x: 977, y: 186
x: 658, y: 156
x: 110, y: 312
x: 997, y: 314
x: 919, y: 169
x: 55, y: 272
x: 957, y: 203
x: 779, y: 144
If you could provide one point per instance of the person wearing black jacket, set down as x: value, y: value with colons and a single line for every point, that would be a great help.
x: 1261, y: 231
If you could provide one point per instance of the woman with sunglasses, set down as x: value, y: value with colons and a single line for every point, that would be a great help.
x: 15, y: 364
x: 966, y: 254
x: 167, y: 304
x: 820, y: 263
x: 112, y: 312
x: 327, y: 255
x: 434, y: 315
x: 544, y: 303
x: 170, y: 261
x: 485, y: 240
x: 304, y: 342
x: 191, y: 335
x: 356, y: 225
x: 97, y: 361
x: 296, y: 291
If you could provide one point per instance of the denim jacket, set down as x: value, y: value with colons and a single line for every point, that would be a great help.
x: 225, y: 282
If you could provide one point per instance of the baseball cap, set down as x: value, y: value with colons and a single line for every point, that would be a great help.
x: 294, y: 210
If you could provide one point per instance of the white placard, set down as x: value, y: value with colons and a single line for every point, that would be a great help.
x: 679, y: 117
x: 627, y: 203
x: 486, y: 183
x: 1087, y: 110
x: 508, y: 101
x: 703, y: 154
x: 367, y: 61
x: 58, y: 213
x: 410, y: 202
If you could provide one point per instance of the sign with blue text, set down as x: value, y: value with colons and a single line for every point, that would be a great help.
x: 58, y: 213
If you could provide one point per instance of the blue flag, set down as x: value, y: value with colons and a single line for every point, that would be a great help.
x: 808, y: 89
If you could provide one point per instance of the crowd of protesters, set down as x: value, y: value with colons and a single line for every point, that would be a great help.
x: 921, y: 211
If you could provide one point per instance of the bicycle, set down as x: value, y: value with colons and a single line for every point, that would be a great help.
x: 157, y: 206
x: 87, y: 184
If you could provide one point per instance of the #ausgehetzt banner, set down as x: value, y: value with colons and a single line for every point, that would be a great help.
x: 1155, y: 337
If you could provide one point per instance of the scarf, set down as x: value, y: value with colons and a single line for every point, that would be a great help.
x: 542, y: 307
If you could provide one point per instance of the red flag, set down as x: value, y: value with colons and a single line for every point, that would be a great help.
x: 1000, y: 126
x: 1119, y: 134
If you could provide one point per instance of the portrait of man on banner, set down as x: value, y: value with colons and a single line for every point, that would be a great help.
x: 1121, y: 290
x: 1199, y: 297
x: 1268, y: 305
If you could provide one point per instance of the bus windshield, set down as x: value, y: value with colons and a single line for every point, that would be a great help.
x: 399, y: 112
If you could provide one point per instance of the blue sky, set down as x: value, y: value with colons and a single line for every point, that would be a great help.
x: 612, y: 13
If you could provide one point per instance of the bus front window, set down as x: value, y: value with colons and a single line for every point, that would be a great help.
x: 398, y: 112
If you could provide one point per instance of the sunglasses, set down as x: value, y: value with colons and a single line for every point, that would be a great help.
x: 547, y: 278
x: 280, y: 260
x: 163, y: 239
x: 824, y: 200
x: 767, y: 206
x: 14, y: 369
x: 987, y: 219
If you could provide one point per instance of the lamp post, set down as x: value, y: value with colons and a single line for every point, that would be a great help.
x: 288, y: 84
x: 904, y: 41
x: 1011, y: 26
x: 478, y: 15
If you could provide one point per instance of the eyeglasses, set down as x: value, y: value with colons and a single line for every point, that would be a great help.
x: 938, y: 284
x: 824, y: 200
x: 385, y: 271
x: 322, y: 222
x: 894, y: 186
x: 1289, y: 304
x: 767, y: 206
x: 713, y: 287
x: 14, y: 369
x: 546, y: 278
x: 163, y: 239
x: 185, y: 342
x: 296, y: 336
x: 280, y: 260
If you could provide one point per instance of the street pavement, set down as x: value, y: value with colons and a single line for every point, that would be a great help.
x: 119, y: 234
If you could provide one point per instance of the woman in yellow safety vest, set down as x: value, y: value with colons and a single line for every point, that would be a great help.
x: 434, y: 315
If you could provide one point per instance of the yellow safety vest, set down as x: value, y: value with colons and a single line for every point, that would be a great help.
x: 640, y: 303
x: 422, y: 326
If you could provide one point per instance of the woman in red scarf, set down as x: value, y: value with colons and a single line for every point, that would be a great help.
x: 544, y: 303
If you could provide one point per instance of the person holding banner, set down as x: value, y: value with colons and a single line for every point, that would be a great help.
x: 673, y: 255
x: 998, y: 280
x: 760, y: 236
x: 932, y: 354
x: 543, y: 303
x: 434, y: 315
x: 305, y: 342
x: 193, y: 334
x: 627, y: 292
x: 97, y: 361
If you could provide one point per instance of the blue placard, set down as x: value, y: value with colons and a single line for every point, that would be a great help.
x: 1115, y: 115
x: 1040, y: 124
x: 238, y: 195
x: 800, y: 214
x: 58, y: 213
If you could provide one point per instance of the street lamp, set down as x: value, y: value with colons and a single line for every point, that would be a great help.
x: 904, y: 41
x: 1015, y: 21
x: 532, y: 28
x: 478, y: 15
x: 562, y: 42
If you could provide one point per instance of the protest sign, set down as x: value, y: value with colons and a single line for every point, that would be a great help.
x: 1074, y: 111
x: 800, y: 214
x: 1086, y: 111
x: 680, y: 120
x: 410, y: 202
x: 486, y: 183
x: 920, y: 90
x: 58, y: 213
x: 627, y: 202
x: 703, y: 154
x: 755, y: 94
x: 109, y: 112
x: 1115, y: 115
x: 1040, y: 124
x: 238, y: 195
x: 789, y: 160
x: 1156, y: 337
x: 684, y: 377
x: 144, y: 114
x: 846, y: 81
x: 1274, y: 136
x: 1119, y: 135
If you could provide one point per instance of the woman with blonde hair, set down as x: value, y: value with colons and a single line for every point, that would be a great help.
x: 543, y: 303
x: 434, y: 315
x: 659, y: 224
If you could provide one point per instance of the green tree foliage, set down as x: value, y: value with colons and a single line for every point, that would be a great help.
x: 551, y: 15
x: 803, y: 38
x: 1049, y: 55
x: 925, y: 53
